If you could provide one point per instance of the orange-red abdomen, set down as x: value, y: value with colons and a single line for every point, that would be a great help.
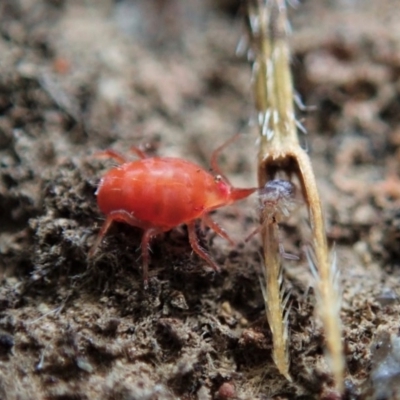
x: 161, y: 192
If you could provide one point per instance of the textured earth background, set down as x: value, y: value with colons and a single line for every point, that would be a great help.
x: 80, y: 76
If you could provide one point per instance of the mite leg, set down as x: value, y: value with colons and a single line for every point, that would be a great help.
x: 214, y: 157
x: 139, y: 152
x: 106, y: 225
x: 119, y: 158
x: 149, y: 233
x: 145, y: 246
x: 125, y: 216
x: 252, y: 234
x: 197, y: 248
x: 206, y: 220
x: 119, y: 215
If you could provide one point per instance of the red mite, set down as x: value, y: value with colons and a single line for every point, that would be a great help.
x: 157, y: 194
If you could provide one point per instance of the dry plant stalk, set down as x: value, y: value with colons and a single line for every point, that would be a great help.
x: 281, y: 155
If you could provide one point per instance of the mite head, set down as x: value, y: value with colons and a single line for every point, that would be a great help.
x: 222, y: 193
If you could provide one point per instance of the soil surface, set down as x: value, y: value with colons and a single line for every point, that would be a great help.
x: 77, y: 77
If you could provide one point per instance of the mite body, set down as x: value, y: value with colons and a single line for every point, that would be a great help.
x: 157, y: 194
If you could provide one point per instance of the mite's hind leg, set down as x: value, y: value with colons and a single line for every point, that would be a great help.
x: 106, y: 225
x: 252, y: 234
x: 119, y: 158
x: 207, y: 220
x: 119, y: 215
x: 145, y: 247
x: 197, y: 248
x: 149, y: 233
x: 139, y: 152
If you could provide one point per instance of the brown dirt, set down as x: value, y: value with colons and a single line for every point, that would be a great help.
x: 77, y: 77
